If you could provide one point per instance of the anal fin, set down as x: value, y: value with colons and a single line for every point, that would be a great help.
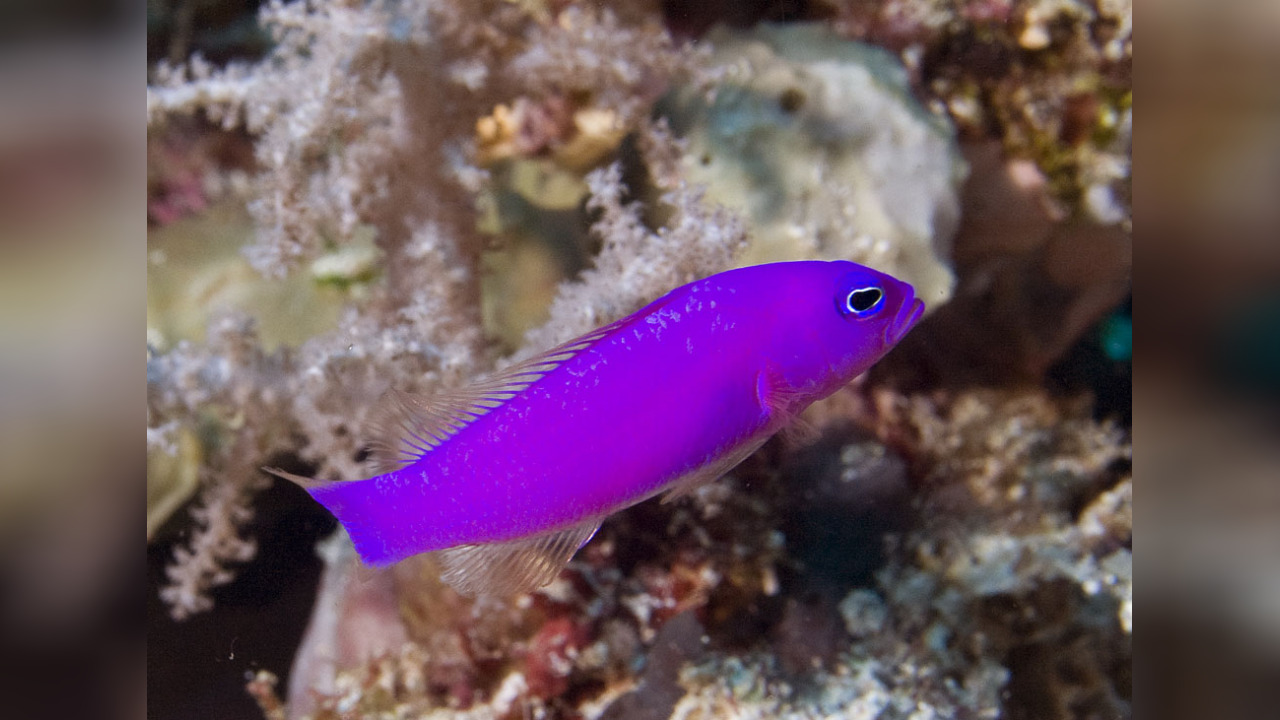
x: 507, y: 568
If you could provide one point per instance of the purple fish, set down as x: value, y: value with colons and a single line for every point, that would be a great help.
x: 508, y: 478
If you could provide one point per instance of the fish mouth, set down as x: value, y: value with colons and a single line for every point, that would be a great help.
x: 908, y: 315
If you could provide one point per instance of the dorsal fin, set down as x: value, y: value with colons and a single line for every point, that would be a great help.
x: 406, y: 426
x: 520, y: 565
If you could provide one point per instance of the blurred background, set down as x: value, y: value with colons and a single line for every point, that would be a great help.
x: 1209, y: 393
x: 72, y: 286
x: 72, y: 234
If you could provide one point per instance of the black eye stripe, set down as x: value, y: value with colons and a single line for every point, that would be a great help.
x: 864, y: 300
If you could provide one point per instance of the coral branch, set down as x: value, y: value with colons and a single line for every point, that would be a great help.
x: 637, y: 264
x: 364, y: 117
x: 217, y: 543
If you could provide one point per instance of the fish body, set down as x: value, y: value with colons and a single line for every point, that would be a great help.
x: 509, y: 478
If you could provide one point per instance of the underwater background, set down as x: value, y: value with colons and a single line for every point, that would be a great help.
x: 346, y: 197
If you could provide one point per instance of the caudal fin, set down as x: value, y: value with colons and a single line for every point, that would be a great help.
x: 356, y: 505
x: 382, y: 536
x: 305, y: 483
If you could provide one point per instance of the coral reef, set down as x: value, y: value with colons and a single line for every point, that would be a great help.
x: 818, y: 141
x: 973, y: 602
x: 1051, y: 78
x: 1017, y: 550
x: 1030, y: 284
x: 364, y: 75
x: 918, y: 551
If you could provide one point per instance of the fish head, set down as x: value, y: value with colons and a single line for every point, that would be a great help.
x: 811, y: 326
x: 876, y: 305
x: 858, y: 315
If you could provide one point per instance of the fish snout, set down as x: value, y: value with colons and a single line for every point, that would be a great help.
x: 908, y: 315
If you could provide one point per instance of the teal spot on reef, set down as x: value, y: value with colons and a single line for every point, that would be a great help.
x: 1115, y: 334
x: 1101, y: 363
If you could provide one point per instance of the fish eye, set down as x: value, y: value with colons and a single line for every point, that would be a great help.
x: 864, y: 301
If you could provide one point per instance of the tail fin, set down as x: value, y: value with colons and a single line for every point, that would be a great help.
x: 305, y: 483
x: 357, y: 506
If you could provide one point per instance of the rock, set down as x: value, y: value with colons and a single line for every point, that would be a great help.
x: 818, y: 142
